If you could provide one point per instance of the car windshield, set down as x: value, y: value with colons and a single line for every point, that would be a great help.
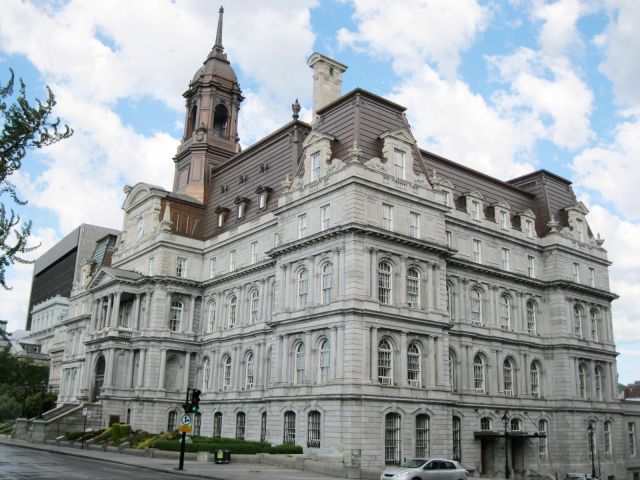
x: 412, y: 463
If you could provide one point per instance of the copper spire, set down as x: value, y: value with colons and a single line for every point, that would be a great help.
x: 218, y: 45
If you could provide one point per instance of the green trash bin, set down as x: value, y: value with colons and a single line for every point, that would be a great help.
x: 219, y: 456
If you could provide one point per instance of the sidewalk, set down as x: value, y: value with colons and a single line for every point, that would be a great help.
x: 232, y: 471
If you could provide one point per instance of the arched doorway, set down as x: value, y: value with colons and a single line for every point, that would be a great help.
x: 99, y: 380
x: 220, y: 117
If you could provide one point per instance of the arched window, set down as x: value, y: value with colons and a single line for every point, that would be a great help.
x: 582, y: 381
x: 516, y: 425
x: 212, y: 317
x: 303, y: 287
x: 476, y: 306
x: 241, y: 422
x: 598, y: 383
x: 253, y: 306
x: 422, y: 436
x: 248, y: 371
x: 171, y: 421
x: 532, y: 313
x: 486, y: 424
x: 191, y: 123
x: 232, y: 311
x: 505, y: 312
x: 457, y: 438
x: 535, y: 379
x: 450, y: 305
x: 392, y: 439
x: 217, y: 425
x: 384, y: 282
x: 325, y: 360
x: 543, y: 429
x: 206, y: 373
x: 413, y: 365
x: 413, y: 287
x: 453, y: 372
x: 299, y: 365
x: 595, y: 325
x: 385, y: 363
x: 313, y: 429
x: 608, y: 447
x: 220, y: 116
x: 289, y: 434
x: 577, y: 320
x: 327, y: 282
x: 479, y: 374
x: 509, y: 372
x: 263, y: 426
x: 226, y: 372
x: 175, y: 318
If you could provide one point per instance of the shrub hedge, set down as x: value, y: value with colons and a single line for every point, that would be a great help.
x: 238, y: 447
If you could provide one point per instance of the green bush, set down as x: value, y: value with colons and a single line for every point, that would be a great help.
x: 285, y: 449
x: 120, y: 431
x: 104, y: 436
x: 238, y: 447
x: 6, y: 428
x: 9, y: 407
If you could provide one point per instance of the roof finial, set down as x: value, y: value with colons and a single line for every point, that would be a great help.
x: 295, y: 108
x: 218, y: 45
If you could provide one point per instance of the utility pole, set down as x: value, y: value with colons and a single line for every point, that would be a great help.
x: 591, y: 431
x: 505, y: 421
x: 187, y: 409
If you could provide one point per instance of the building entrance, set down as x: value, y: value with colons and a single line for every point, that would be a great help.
x: 487, y: 456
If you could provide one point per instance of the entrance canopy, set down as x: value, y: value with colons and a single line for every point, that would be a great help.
x: 494, y: 434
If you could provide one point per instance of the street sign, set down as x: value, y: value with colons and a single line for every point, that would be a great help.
x: 185, y: 420
x: 85, y: 410
x: 185, y: 428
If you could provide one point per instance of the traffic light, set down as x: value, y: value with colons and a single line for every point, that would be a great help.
x: 195, y: 401
x: 187, y: 407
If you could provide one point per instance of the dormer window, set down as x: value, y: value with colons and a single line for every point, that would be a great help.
x: 475, y: 209
x: 263, y: 193
x: 580, y: 230
x: 315, y: 166
x: 503, y: 219
x: 528, y: 228
x: 241, y: 202
x: 399, y: 161
x: 444, y: 197
x: 474, y: 205
x: 221, y: 212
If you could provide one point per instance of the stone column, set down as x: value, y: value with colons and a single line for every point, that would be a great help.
x: 313, y: 282
x: 258, y: 365
x: 436, y: 286
x: 135, y: 321
x: 129, y: 380
x: 278, y: 372
x: 309, y: 371
x: 107, y: 320
x: 109, y: 374
x: 464, y: 301
x: 262, y: 305
x: 401, y: 281
x: 192, y: 312
x: 374, y: 354
x: 141, y: 366
x: 373, y: 274
x: 147, y: 309
x: 187, y: 367
x: 116, y: 310
x: 334, y: 353
x: 431, y: 362
x: 402, y: 374
x: 236, y: 374
x: 340, y: 341
x: 163, y: 365
x: 467, y: 368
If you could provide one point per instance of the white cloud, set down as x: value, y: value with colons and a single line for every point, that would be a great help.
x: 550, y: 90
x: 559, y: 31
x: 621, y: 44
x: 613, y: 170
x: 448, y: 119
x: 410, y: 33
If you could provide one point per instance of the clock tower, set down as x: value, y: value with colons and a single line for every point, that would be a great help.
x: 211, y: 122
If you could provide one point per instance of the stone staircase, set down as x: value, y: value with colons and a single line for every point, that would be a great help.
x: 54, y: 423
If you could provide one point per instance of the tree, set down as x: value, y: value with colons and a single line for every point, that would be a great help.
x: 24, y: 127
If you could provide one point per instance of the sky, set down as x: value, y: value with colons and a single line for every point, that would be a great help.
x: 505, y: 87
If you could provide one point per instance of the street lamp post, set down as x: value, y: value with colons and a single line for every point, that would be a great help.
x: 591, y: 441
x: 505, y: 421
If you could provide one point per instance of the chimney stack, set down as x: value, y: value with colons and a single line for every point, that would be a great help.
x: 327, y: 80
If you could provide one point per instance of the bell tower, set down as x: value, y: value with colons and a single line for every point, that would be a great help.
x: 211, y: 122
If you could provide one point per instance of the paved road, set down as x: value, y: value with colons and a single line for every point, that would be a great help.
x: 22, y: 463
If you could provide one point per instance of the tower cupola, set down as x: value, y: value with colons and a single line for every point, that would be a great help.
x: 211, y: 121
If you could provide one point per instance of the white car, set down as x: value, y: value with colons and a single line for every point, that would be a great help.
x: 426, y: 469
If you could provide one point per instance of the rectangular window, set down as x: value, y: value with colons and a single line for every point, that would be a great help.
x: 387, y: 217
x: 302, y: 225
x: 475, y: 209
x: 477, y: 251
x: 528, y: 228
x: 504, y: 219
x: 399, y: 163
x: 212, y: 267
x: 325, y: 217
x: 232, y: 260
x: 576, y: 272
x: 240, y: 425
x: 313, y: 430
x: 457, y: 440
x: 181, y: 267
x: 449, y: 239
x: 504, y: 258
x: 315, y: 166
x: 444, y: 197
x: 254, y: 252
x: 592, y: 277
x: 531, y: 266
x: 289, y: 436
x: 414, y: 225
x: 241, y: 208
x: 220, y: 219
x: 580, y: 230
x: 422, y: 436
x: 632, y: 439
x: 217, y: 425
x: 263, y: 200
x: 151, y: 267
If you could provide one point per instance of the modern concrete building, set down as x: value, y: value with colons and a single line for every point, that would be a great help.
x: 337, y: 287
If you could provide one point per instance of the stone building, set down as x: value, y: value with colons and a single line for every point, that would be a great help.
x: 338, y: 287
